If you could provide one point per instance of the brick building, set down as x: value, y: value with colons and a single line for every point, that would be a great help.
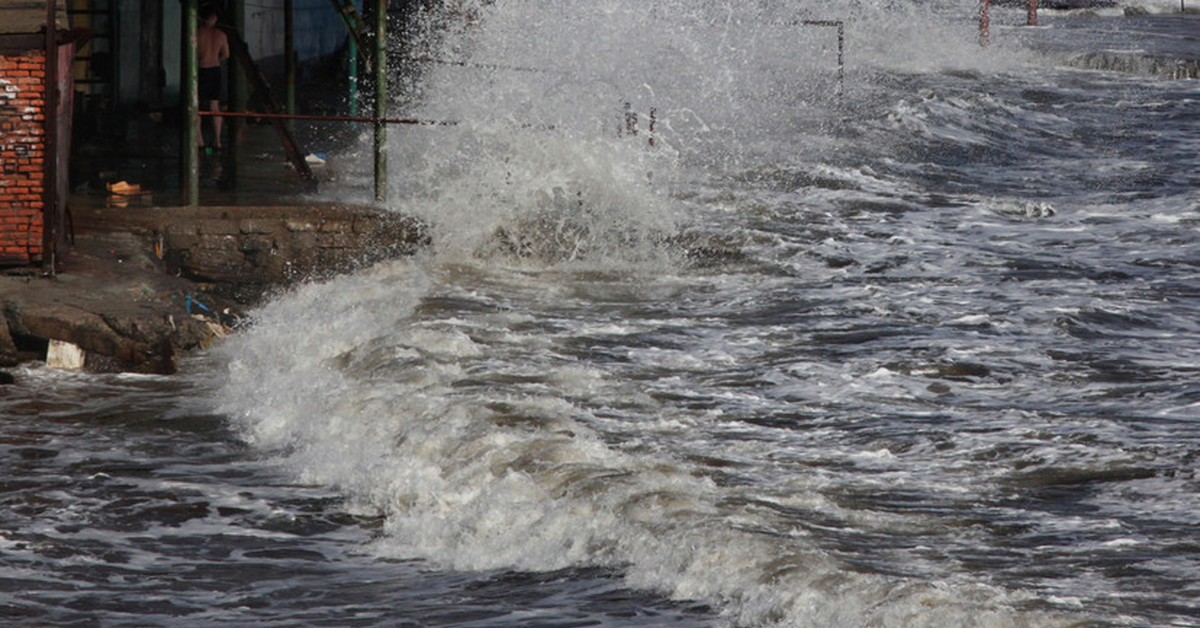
x: 35, y: 132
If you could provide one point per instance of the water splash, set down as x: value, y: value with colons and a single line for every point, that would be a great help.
x: 450, y: 405
x: 436, y: 411
x: 577, y: 123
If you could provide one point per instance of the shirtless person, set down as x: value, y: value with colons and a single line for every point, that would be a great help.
x: 212, y: 46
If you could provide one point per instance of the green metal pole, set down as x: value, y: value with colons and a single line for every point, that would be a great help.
x: 191, y: 125
x: 381, y: 96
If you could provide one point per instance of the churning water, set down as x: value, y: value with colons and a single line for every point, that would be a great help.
x: 708, y: 335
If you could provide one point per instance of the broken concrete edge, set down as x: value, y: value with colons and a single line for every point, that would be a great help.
x: 8, y: 348
x: 210, y: 263
x: 146, y: 339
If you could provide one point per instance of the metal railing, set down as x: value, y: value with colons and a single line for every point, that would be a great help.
x: 1031, y: 18
x: 379, y: 120
x: 841, y: 45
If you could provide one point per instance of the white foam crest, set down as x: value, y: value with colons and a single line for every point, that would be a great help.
x: 544, y: 164
x: 494, y: 190
x: 387, y: 407
x: 279, y: 381
x: 412, y: 417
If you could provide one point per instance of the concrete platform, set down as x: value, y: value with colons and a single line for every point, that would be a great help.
x: 141, y: 287
x: 148, y: 280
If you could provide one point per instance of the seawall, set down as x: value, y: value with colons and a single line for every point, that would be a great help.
x: 143, y: 286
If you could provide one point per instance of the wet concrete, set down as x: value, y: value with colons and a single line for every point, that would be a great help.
x: 110, y: 300
x: 141, y: 288
x: 148, y: 280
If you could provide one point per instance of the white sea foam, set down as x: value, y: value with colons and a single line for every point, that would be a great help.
x: 474, y: 476
x: 526, y: 396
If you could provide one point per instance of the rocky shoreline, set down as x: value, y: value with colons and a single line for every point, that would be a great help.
x: 144, y: 286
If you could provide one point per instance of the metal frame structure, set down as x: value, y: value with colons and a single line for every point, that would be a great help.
x: 841, y: 45
x: 985, y: 18
x: 192, y: 113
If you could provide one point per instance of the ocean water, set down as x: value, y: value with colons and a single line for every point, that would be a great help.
x: 710, y: 334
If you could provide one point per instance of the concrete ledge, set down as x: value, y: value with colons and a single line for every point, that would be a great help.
x: 1142, y: 65
x: 244, y: 251
x: 124, y: 317
x: 142, y: 286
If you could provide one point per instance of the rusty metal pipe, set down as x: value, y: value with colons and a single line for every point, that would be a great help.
x: 985, y: 26
x: 320, y: 118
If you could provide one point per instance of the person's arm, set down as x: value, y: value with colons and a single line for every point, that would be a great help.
x: 223, y: 53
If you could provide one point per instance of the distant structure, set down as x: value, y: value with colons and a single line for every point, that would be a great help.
x: 35, y: 130
x: 119, y: 71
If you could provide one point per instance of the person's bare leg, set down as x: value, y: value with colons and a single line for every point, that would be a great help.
x: 215, y: 106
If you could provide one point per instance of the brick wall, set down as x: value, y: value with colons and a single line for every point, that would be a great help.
x: 22, y: 154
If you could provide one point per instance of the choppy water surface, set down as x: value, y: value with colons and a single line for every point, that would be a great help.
x: 125, y: 504
x: 922, y: 353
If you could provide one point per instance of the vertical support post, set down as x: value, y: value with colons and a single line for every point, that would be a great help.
x: 289, y: 58
x: 191, y: 100
x: 50, y: 215
x: 985, y: 27
x: 381, y: 95
x: 1032, y: 13
x: 841, y: 46
x: 841, y: 28
x: 150, y: 49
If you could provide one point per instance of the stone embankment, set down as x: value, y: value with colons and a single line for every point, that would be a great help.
x: 1132, y: 63
x: 144, y: 286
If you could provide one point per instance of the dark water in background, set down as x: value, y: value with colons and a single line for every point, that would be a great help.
x: 921, y: 354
